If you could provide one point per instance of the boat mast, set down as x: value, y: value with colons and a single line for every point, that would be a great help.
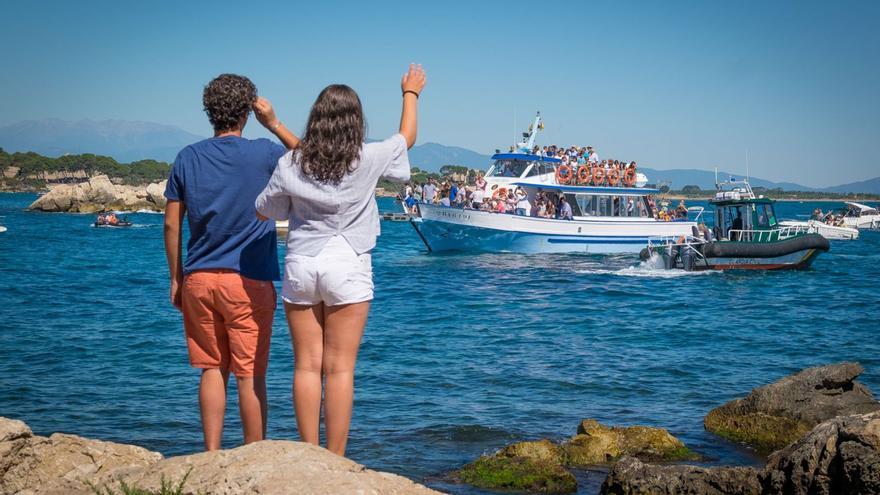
x: 529, y: 137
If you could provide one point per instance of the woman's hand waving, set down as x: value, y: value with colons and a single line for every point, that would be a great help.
x: 414, y: 80
x: 411, y: 85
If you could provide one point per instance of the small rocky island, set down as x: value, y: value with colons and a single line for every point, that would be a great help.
x: 99, y: 193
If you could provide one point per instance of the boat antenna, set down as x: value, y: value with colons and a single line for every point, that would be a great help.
x: 717, y: 187
x: 515, y: 129
x: 747, y: 164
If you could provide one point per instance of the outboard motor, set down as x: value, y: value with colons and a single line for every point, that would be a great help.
x: 687, y: 259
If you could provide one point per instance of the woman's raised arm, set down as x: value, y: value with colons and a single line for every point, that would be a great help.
x: 412, y: 84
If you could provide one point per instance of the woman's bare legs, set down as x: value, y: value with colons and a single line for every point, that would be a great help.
x: 343, y: 329
x: 212, y: 404
x: 307, y: 332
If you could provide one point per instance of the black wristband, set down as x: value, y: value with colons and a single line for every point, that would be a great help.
x: 410, y: 91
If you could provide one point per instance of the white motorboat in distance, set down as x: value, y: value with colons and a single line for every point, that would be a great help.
x: 861, y: 216
x: 830, y: 232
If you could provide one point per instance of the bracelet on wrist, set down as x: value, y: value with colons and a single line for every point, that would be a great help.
x: 411, y: 91
x: 276, y: 126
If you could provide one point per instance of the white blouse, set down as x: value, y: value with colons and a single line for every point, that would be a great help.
x: 316, y: 212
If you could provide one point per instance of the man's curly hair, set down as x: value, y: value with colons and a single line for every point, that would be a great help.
x: 227, y: 100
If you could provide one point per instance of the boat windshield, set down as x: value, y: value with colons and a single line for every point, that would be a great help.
x: 508, y: 168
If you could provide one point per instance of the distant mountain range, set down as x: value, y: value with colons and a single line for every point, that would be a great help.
x: 128, y: 141
x: 125, y: 141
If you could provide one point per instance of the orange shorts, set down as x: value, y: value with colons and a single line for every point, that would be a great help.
x: 228, y: 321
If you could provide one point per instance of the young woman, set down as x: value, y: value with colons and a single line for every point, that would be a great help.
x: 326, y: 189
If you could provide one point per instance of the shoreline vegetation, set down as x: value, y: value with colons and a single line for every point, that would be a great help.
x: 35, y: 173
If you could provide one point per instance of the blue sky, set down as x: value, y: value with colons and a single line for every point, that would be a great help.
x: 668, y: 84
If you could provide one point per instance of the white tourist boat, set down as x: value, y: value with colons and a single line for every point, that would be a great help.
x: 605, y: 220
x: 861, y: 216
x: 2, y: 229
x: 830, y: 232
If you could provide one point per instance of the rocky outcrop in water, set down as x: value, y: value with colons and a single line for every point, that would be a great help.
x: 535, y: 467
x: 100, y: 194
x: 541, y: 466
x: 840, y: 456
x: 596, y: 443
x: 631, y: 476
x: 68, y: 464
x: 775, y: 415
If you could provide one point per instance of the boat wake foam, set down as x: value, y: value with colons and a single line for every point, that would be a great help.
x: 651, y: 268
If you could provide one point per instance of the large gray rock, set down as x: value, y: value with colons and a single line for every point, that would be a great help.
x: 156, y: 193
x: 67, y: 464
x: 840, y: 456
x: 631, y: 476
x: 61, y: 463
x: 273, y: 466
x: 775, y: 415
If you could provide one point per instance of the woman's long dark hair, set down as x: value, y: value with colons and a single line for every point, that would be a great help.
x: 334, y: 135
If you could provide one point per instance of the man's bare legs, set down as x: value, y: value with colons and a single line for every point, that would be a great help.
x: 212, y: 404
x: 253, y: 407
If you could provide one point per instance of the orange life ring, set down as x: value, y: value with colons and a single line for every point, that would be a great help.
x: 500, y: 193
x: 598, y: 176
x: 584, y: 176
x: 613, y: 177
x: 629, y: 177
x: 560, y: 179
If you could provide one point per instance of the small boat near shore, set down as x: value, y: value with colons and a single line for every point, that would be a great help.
x: 112, y: 221
x: 746, y: 236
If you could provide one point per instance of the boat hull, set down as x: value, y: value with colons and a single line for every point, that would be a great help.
x: 453, y: 229
x: 798, y: 260
x: 794, y: 253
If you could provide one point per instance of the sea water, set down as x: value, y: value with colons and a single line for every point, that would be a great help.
x: 462, y: 354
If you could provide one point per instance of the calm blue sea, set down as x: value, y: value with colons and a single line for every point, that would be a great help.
x: 462, y: 354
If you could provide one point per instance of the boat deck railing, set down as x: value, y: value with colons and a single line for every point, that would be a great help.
x: 778, y: 234
x: 684, y: 244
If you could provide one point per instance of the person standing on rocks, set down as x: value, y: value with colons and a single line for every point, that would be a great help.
x: 224, y: 288
x: 326, y: 190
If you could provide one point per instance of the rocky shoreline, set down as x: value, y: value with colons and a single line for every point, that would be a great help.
x: 68, y: 464
x: 101, y: 194
x: 822, y: 426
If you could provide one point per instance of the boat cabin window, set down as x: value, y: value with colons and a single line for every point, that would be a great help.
x: 731, y: 217
x: 597, y: 205
x: 508, y: 168
x: 540, y: 168
x: 766, y: 218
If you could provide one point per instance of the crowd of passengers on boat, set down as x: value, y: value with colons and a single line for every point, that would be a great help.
x: 544, y: 204
x: 581, y: 166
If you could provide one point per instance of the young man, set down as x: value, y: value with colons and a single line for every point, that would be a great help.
x: 224, y: 288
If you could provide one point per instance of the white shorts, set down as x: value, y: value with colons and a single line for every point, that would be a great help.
x: 337, y: 275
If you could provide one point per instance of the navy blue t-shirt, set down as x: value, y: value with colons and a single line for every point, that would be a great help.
x: 218, y: 180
